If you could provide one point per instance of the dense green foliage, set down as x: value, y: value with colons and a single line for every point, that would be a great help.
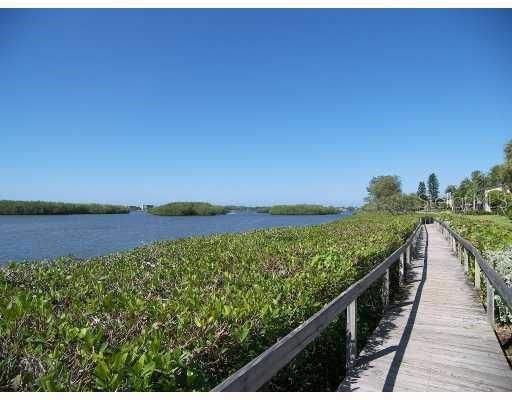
x: 188, y: 208
x: 422, y: 191
x: 395, y: 204
x: 302, y: 209
x: 384, y: 186
x: 13, y: 207
x: 485, y: 234
x: 385, y: 195
x: 185, y: 314
x: 433, y: 187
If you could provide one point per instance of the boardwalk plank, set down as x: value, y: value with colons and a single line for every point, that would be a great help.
x: 437, y: 338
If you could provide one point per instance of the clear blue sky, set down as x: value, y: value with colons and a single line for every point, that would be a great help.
x: 248, y: 107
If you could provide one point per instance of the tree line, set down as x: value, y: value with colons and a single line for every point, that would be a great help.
x: 469, y: 194
x: 14, y: 207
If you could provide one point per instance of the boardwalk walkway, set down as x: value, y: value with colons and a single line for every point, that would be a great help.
x: 436, y: 337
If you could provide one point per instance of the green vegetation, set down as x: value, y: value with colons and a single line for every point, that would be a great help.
x: 499, y: 220
x: 383, y: 186
x: 188, y: 208
x: 248, y: 208
x: 13, y: 207
x: 422, y: 191
x: 385, y: 195
x: 302, y: 209
x: 480, y: 230
x: 429, y: 194
x: 469, y: 194
x: 501, y: 203
x: 433, y: 187
x: 185, y: 314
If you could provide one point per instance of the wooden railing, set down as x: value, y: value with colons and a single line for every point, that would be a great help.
x: 494, y: 282
x: 262, y: 368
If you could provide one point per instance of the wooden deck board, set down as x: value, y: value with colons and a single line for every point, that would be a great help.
x: 437, y: 337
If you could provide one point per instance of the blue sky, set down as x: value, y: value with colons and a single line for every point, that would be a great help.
x: 248, y: 106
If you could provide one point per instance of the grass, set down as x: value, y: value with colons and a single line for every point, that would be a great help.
x: 302, y: 209
x: 185, y: 314
x: 188, y: 209
x: 14, y: 207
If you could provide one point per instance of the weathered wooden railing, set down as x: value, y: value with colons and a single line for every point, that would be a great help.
x: 494, y: 282
x: 262, y: 368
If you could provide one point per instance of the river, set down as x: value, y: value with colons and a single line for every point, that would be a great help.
x: 36, y: 237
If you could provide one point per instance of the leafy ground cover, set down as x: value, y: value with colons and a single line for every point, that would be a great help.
x: 302, y: 209
x: 188, y: 208
x: 14, y: 207
x: 185, y: 314
x: 484, y: 232
x: 496, y: 219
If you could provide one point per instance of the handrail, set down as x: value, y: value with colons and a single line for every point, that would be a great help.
x: 494, y: 280
x: 262, y: 368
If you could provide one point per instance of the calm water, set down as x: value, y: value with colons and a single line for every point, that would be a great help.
x: 44, y: 236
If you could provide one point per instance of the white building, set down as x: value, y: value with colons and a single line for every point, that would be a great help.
x: 487, y: 206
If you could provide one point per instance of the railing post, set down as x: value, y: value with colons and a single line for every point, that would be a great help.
x: 477, y: 275
x: 490, y: 303
x: 407, y: 262
x: 401, y: 268
x: 385, y: 288
x: 351, y: 337
x: 466, y: 261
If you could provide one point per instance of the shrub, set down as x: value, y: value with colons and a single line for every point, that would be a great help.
x: 502, y: 263
x: 395, y: 204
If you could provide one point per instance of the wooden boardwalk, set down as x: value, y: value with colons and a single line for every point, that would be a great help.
x: 436, y: 337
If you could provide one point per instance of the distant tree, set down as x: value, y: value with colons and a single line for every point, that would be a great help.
x: 479, y: 181
x: 466, y: 188
x: 495, y: 176
x: 383, y: 186
x: 422, y: 191
x: 465, y: 193
x: 433, y: 187
x: 508, y: 152
x: 451, y: 189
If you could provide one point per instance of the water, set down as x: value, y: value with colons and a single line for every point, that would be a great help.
x: 36, y: 237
